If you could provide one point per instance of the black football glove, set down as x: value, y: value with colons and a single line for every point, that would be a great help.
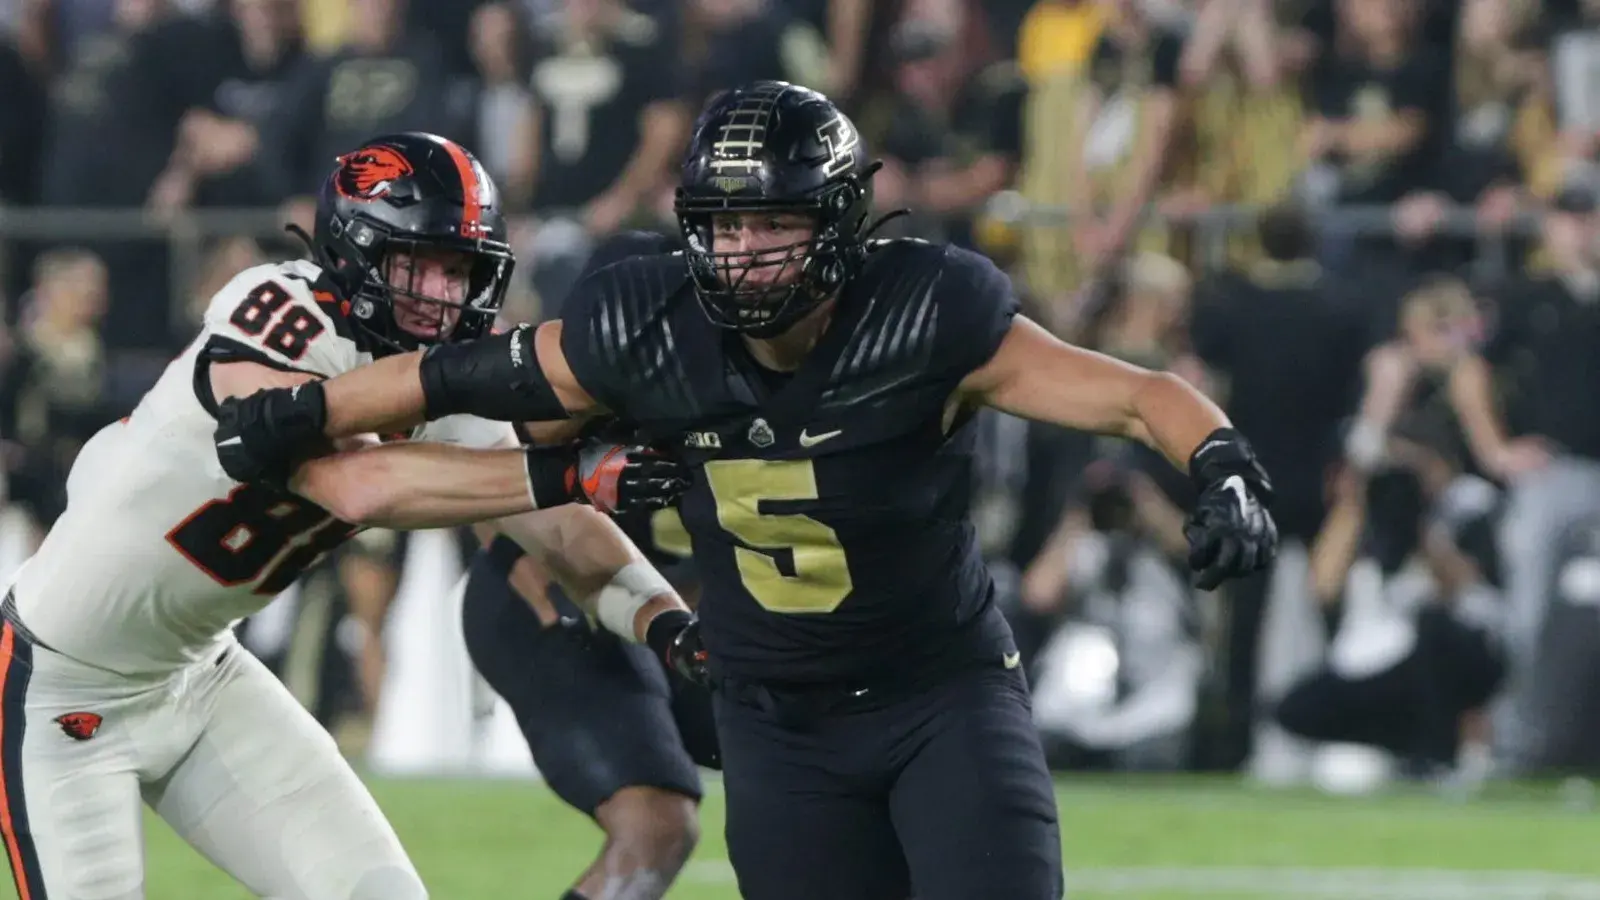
x: 615, y: 478
x: 260, y: 438
x: 1231, y: 534
x: 675, y: 637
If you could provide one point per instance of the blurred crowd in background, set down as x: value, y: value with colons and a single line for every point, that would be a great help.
x: 1368, y: 228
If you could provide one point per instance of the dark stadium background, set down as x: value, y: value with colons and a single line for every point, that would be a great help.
x: 1329, y: 214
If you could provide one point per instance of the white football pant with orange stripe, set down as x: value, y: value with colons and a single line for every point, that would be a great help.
x: 219, y: 749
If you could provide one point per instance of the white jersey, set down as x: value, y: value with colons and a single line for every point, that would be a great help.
x: 159, y: 551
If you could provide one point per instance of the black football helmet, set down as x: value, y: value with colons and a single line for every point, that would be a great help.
x: 410, y: 193
x: 770, y: 146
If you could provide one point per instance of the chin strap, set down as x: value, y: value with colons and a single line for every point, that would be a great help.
x: 864, y: 178
x: 883, y: 220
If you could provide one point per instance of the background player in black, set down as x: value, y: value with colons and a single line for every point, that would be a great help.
x: 611, y: 733
x: 875, y: 727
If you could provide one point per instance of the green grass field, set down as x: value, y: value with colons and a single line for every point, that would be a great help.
x: 1161, y: 838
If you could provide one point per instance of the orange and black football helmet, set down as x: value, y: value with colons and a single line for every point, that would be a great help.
x: 410, y: 193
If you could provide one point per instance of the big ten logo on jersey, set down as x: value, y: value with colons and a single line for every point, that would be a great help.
x: 370, y: 90
x: 702, y: 440
x: 573, y: 86
x: 841, y: 141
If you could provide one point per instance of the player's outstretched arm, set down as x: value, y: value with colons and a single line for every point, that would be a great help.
x: 501, y: 377
x: 605, y: 574
x: 412, y: 485
x: 422, y: 484
x: 1036, y: 376
x: 518, y: 375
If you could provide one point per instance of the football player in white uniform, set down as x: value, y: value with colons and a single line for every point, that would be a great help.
x: 120, y: 679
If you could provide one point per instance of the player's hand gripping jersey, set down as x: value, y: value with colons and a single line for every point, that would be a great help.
x: 159, y: 551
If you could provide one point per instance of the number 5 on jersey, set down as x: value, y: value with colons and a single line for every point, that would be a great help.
x: 288, y: 331
x: 789, y: 563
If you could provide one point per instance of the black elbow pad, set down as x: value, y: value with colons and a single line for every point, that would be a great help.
x: 497, y: 377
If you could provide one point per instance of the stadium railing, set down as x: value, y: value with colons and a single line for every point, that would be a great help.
x: 187, y: 233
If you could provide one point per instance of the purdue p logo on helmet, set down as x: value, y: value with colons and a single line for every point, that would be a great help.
x: 773, y: 147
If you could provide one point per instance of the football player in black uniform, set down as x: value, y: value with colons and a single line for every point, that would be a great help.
x: 615, y: 735
x: 875, y: 727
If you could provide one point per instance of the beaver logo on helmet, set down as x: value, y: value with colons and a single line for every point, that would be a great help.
x: 366, y: 174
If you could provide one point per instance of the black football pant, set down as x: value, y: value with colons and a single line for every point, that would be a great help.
x: 599, y: 715
x: 941, y: 794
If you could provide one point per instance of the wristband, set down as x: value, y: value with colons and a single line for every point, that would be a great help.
x: 634, y: 585
x: 301, y: 418
x: 664, y: 629
x: 1225, y: 452
x: 552, y: 476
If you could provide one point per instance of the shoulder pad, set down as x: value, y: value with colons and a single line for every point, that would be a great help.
x: 278, y: 315
x: 978, y: 304
x: 616, y: 326
x: 937, y: 309
x: 627, y: 245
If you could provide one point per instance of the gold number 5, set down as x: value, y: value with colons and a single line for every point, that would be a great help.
x: 666, y: 529
x: 790, y: 563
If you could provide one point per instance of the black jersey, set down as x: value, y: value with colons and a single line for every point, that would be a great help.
x: 828, y: 506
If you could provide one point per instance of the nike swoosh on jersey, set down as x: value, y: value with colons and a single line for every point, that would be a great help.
x: 810, y: 440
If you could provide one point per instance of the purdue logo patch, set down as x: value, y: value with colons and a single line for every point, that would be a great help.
x: 760, y: 434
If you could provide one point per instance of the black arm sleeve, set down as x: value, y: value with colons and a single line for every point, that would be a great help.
x: 498, y: 378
